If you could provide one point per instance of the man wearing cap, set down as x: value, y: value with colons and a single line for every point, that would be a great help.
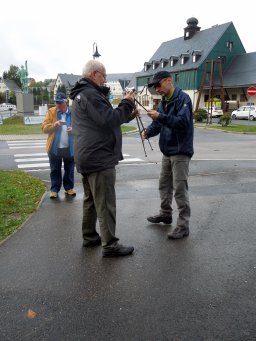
x: 173, y: 119
x: 59, y: 146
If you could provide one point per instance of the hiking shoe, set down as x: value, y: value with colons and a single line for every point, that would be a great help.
x: 70, y: 192
x: 53, y: 195
x: 178, y: 233
x: 92, y: 243
x: 118, y: 251
x: 159, y: 218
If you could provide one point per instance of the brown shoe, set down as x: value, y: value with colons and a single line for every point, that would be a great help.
x: 71, y: 192
x: 178, y: 233
x: 53, y: 195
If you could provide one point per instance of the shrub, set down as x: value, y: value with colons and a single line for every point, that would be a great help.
x: 200, y: 115
x: 225, y: 119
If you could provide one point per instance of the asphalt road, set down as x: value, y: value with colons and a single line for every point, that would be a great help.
x: 198, y: 288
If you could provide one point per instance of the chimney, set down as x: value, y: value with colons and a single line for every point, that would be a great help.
x: 191, y: 29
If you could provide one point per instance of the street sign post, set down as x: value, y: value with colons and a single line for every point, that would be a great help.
x: 251, y: 91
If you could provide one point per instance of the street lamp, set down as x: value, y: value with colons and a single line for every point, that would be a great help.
x: 95, y: 51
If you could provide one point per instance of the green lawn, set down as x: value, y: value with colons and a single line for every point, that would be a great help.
x: 238, y: 128
x: 20, y: 194
x: 14, y: 125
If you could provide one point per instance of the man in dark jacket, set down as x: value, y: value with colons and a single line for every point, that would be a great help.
x: 174, y: 121
x: 97, y: 150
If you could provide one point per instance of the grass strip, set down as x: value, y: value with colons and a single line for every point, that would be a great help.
x: 20, y: 194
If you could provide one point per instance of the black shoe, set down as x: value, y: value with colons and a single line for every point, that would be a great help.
x: 166, y: 219
x: 91, y: 243
x: 118, y: 251
x: 178, y: 233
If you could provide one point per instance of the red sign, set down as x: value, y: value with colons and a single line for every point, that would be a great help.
x: 251, y: 91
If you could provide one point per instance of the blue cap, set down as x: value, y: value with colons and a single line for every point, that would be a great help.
x: 60, y: 97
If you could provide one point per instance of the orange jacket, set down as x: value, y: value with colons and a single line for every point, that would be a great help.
x: 49, y: 128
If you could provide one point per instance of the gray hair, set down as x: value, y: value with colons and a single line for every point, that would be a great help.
x: 91, y: 66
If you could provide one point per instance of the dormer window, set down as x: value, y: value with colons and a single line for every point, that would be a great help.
x: 147, y: 66
x: 164, y: 62
x: 173, y: 60
x: 196, y: 54
x: 183, y: 58
x: 155, y: 64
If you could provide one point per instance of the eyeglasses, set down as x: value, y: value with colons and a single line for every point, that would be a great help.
x: 103, y: 74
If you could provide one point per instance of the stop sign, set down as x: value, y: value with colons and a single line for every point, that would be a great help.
x: 251, y: 91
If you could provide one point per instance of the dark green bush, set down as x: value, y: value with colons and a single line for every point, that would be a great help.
x: 200, y: 115
x: 225, y: 119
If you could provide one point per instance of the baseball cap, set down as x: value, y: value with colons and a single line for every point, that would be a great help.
x: 158, y: 77
x: 60, y: 97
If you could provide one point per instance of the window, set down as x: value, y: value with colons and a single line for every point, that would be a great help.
x: 183, y: 58
x: 164, y: 62
x: 147, y: 66
x: 196, y: 54
x: 242, y: 98
x: 230, y: 45
x: 233, y: 97
x: 176, y: 77
x: 155, y: 64
x: 145, y: 100
x: 174, y: 60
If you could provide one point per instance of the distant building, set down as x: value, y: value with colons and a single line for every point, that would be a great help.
x: 117, y: 82
x: 187, y: 58
x: 8, y: 85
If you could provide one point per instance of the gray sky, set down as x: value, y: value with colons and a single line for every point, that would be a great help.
x: 57, y: 36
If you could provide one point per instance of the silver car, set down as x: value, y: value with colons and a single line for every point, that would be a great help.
x: 244, y: 112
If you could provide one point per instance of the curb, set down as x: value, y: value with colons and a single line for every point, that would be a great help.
x: 22, y: 225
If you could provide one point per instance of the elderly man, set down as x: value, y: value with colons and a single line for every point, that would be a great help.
x: 173, y: 119
x: 97, y: 150
x: 59, y: 146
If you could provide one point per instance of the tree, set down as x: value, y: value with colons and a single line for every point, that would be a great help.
x: 12, y: 74
x: 62, y: 88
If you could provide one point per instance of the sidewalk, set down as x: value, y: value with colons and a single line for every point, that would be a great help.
x: 198, y: 288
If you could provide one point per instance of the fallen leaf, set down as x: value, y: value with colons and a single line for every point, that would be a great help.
x: 31, y: 314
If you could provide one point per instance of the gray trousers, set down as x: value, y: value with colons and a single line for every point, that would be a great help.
x: 174, y: 179
x: 100, y: 203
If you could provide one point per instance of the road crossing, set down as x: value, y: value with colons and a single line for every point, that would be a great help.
x: 34, y: 161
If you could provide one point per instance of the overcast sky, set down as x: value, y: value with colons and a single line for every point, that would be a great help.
x: 57, y: 36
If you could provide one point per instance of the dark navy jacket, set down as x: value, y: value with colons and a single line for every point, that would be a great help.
x: 175, y: 125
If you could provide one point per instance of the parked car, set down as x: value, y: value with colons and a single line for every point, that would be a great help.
x: 244, y: 112
x: 216, y: 111
x: 7, y: 107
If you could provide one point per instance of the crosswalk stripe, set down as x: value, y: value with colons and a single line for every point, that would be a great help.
x: 33, y: 165
x: 32, y: 159
x: 31, y: 154
x: 35, y: 161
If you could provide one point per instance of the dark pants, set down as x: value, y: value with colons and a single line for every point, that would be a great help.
x: 100, y: 202
x: 56, y: 173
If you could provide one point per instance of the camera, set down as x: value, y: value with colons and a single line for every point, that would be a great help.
x: 130, y: 89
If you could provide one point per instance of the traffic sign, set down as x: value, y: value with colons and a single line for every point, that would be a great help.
x: 251, y: 91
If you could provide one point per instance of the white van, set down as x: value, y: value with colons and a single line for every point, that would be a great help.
x: 216, y: 111
x: 7, y: 107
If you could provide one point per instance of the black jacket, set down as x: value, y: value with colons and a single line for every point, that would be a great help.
x: 175, y: 125
x: 96, y: 127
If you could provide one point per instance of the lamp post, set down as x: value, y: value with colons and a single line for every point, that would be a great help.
x: 95, y: 51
